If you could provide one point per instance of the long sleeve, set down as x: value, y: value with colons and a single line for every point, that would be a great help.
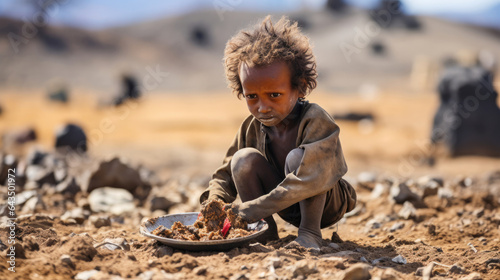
x: 321, y: 168
x: 221, y: 185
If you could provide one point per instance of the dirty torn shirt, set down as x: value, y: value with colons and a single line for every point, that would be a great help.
x: 321, y: 168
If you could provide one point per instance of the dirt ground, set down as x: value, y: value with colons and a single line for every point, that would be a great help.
x: 454, y: 233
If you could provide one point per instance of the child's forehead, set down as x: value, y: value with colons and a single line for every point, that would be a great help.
x: 275, y: 68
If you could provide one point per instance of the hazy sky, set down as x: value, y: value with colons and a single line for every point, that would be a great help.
x: 100, y: 14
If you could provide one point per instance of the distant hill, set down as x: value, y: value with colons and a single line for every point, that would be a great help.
x: 190, y: 49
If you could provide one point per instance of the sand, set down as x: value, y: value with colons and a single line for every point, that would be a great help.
x: 183, y: 136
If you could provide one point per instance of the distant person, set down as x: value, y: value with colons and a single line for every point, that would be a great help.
x: 286, y: 157
x: 130, y: 89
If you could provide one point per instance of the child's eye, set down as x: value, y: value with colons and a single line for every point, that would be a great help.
x: 275, y: 94
x: 251, y: 96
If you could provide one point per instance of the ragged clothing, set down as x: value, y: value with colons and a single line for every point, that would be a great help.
x: 321, y: 169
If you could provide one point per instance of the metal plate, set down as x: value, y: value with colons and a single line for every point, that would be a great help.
x: 189, y: 219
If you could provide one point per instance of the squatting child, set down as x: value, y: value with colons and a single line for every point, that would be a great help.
x: 286, y: 157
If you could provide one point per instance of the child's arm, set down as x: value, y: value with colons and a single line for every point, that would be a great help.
x: 221, y: 185
x: 321, y: 168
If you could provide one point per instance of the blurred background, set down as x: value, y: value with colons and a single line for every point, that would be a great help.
x: 147, y: 82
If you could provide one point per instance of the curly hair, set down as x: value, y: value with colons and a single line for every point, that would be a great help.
x: 267, y: 43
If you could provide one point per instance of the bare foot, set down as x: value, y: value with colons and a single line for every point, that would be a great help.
x: 309, y: 239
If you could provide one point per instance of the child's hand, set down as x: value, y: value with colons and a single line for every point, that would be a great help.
x: 235, y: 216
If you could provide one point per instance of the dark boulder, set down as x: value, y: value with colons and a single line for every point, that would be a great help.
x: 71, y: 137
x: 467, y: 121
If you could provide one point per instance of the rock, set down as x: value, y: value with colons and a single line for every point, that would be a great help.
x: 429, y: 185
x: 68, y: 187
x: 85, y: 275
x: 478, y: 212
x: 160, y: 203
x: 240, y: 276
x: 397, y: 226
x: 113, y: 244
x: 303, y: 268
x: 66, y: 260
x: 6, y: 162
x: 471, y: 89
x: 201, y: 270
x: 399, y: 259
x: 100, y: 221
x: 259, y: 248
x: 41, y: 175
x: 400, y: 193
x: 163, y: 251
x: 19, y: 249
x: 23, y: 197
x: 76, y: 214
x: 456, y: 269
x: 367, y: 179
x: 71, y: 138
x: 408, y: 211
x: 112, y: 200
x: 379, y: 190
x: 359, y: 271
x: 116, y: 174
x: 427, y: 271
x: 445, y: 193
x: 275, y: 262
x: 473, y: 276
x: 13, y: 140
x: 34, y: 205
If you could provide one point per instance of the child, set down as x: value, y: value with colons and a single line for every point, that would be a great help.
x: 286, y: 157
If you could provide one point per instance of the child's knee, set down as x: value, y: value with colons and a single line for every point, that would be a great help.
x: 244, y: 159
x: 293, y: 160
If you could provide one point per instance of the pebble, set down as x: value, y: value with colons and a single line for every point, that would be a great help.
x: 66, y: 259
x: 112, y: 200
x: 473, y: 276
x: 456, y: 269
x: 408, y: 211
x: 164, y: 251
x: 100, y: 221
x: 201, y: 270
x: 397, y: 226
x: 379, y: 190
x: 400, y: 193
x: 359, y: 271
x: 399, y: 259
x: 113, y: 244
x: 85, y: 275
x: 303, y: 268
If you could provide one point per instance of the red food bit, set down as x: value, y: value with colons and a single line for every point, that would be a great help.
x: 226, y: 227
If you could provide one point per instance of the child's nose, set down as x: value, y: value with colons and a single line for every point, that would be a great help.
x: 264, y: 108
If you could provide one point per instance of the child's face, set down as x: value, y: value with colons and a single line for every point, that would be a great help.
x: 268, y: 91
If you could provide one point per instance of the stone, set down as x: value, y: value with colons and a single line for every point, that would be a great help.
x: 399, y: 259
x: 408, y: 211
x: 100, y: 221
x: 118, y: 175
x: 303, y: 268
x: 23, y: 197
x: 445, y: 193
x: 111, y: 200
x: 163, y: 251
x: 400, y: 193
x: 34, y: 205
x: 379, y: 190
x: 359, y: 271
x: 71, y: 138
x: 397, y: 226
x: 275, y: 262
x: 66, y: 260
x: 427, y: 271
x: 85, y: 275
x: 160, y: 203
x: 201, y: 270
x: 473, y: 276
x: 76, y: 214
x: 68, y: 187
x: 456, y: 269
x: 113, y: 244
x: 467, y: 120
